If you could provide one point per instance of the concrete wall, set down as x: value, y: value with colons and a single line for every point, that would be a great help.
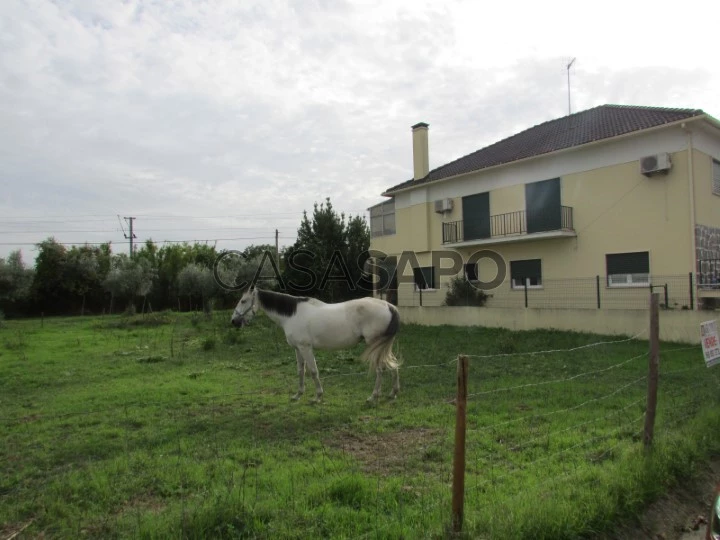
x: 679, y: 326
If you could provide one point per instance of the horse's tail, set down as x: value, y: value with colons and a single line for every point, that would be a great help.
x: 379, y: 353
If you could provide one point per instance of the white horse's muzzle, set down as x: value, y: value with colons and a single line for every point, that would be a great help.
x: 242, y: 319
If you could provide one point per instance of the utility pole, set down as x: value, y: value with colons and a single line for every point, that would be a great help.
x: 131, y: 236
x: 277, y: 249
x: 568, y: 75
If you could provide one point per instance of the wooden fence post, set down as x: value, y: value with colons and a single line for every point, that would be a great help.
x: 458, y: 496
x: 653, y: 365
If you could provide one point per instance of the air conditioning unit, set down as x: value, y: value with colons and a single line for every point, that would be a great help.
x: 655, y: 164
x: 443, y: 205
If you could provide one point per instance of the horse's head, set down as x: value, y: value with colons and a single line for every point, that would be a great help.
x: 245, y: 309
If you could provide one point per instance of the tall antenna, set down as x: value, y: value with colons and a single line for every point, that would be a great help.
x: 568, y: 75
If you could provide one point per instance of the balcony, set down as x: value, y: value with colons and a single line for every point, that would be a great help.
x: 510, y: 227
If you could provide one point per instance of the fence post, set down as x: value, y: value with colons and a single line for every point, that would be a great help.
x: 667, y: 298
x: 420, y: 289
x: 597, y: 289
x: 458, y: 496
x: 692, y: 292
x: 526, y: 302
x: 653, y: 365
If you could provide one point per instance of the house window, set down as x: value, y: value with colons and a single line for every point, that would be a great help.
x: 628, y: 269
x: 716, y: 177
x: 527, y: 273
x: 424, y: 277
x: 471, y: 271
x: 382, y: 218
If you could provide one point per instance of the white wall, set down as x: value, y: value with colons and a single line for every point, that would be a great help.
x: 675, y: 325
x: 617, y: 151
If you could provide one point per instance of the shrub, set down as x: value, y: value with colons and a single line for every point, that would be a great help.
x: 463, y: 293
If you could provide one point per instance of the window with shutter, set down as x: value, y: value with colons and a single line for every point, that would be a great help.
x: 424, y: 277
x: 628, y: 269
x: 526, y: 273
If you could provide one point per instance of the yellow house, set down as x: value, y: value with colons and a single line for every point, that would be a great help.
x: 585, y: 211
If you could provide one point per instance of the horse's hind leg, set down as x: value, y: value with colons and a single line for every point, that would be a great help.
x: 396, y: 383
x: 378, y: 383
x: 301, y: 374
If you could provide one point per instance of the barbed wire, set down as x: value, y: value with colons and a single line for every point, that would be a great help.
x: 575, y: 426
x: 555, y: 381
x: 553, y: 351
x: 566, y: 409
x: 569, y: 448
x: 552, y: 479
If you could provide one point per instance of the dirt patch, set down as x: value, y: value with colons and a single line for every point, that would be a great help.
x: 141, y: 503
x: 387, y: 453
x: 680, y: 514
x: 10, y: 531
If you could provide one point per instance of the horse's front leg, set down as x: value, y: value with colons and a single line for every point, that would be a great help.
x: 307, y: 353
x: 301, y: 374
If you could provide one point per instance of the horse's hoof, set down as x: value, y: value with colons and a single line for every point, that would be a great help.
x: 295, y: 397
x: 393, y: 396
x: 372, y: 400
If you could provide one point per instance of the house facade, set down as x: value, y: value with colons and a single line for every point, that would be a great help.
x: 588, y: 210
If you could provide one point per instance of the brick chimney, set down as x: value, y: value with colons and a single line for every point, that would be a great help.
x: 421, y: 162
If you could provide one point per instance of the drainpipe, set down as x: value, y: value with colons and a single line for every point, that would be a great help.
x: 691, y: 188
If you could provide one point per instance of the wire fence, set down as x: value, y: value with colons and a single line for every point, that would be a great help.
x: 249, y: 463
x: 677, y: 292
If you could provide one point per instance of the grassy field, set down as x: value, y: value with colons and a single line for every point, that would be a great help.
x: 170, y: 425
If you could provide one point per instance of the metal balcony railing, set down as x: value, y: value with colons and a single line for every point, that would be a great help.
x: 501, y: 225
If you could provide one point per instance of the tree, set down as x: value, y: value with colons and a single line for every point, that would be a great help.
x: 15, y: 283
x: 129, y: 278
x: 81, y: 272
x: 327, y: 259
x: 358, y: 244
x: 169, y: 261
x: 197, y: 280
x: 48, y: 286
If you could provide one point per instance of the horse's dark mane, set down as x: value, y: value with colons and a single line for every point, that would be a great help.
x: 280, y: 303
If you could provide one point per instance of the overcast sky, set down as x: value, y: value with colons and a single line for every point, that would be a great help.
x: 226, y: 119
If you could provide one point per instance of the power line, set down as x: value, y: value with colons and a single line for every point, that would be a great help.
x: 165, y: 229
x: 197, y: 240
x: 77, y: 218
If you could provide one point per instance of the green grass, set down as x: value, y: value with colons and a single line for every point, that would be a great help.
x: 178, y: 426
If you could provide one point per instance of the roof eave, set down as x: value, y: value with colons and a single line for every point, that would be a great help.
x: 714, y: 122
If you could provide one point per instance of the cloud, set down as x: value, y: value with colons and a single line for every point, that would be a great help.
x: 240, y: 109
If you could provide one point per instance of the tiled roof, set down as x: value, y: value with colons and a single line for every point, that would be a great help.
x: 584, y: 127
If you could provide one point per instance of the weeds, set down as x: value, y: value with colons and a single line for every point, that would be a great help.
x: 208, y: 343
x: 160, y: 439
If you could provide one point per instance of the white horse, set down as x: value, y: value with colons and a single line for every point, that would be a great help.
x: 311, y: 324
